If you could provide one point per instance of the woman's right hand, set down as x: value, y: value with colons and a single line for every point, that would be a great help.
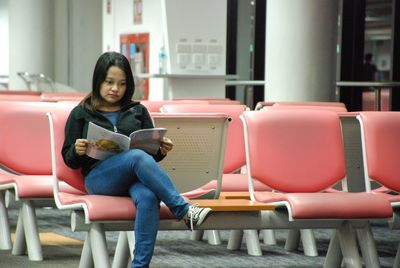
x: 81, y: 146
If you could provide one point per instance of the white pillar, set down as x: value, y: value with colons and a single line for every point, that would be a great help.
x: 301, y: 50
x: 31, y: 39
x: 4, y: 38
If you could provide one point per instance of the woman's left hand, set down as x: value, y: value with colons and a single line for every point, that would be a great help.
x: 166, y: 145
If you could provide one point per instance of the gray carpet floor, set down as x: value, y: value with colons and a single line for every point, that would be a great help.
x: 174, y: 249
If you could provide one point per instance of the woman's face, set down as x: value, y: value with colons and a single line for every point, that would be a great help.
x: 113, y: 87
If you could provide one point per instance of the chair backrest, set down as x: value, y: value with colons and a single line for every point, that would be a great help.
x: 235, y: 156
x: 310, y: 103
x: 380, y: 134
x: 294, y: 150
x: 154, y: 106
x: 24, y: 136
x: 19, y: 92
x: 338, y: 109
x: 262, y: 104
x: 61, y: 172
x: 199, y: 148
x: 197, y: 157
x: 62, y: 96
x: 19, y: 97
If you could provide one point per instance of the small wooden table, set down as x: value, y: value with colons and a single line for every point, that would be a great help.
x: 232, y: 204
x: 234, y: 195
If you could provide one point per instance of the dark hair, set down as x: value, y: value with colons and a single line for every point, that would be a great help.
x: 105, y: 61
x: 368, y: 57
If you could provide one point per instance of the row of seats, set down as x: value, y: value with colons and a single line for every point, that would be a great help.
x: 23, y: 95
x: 278, y: 144
x: 34, y: 181
x: 234, y: 142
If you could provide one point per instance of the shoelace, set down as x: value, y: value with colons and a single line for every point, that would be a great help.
x: 193, y: 210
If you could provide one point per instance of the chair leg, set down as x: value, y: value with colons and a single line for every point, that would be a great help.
x: 213, y: 237
x: 31, y: 232
x: 5, y: 236
x: 396, y: 263
x: 269, y: 237
x: 334, y: 256
x: 309, y: 244
x: 292, y: 240
x: 196, y: 235
x: 252, y: 243
x: 131, y: 242
x: 348, y: 245
x: 98, y: 245
x: 235, y: 239
x: 121, y: 255
x: 86, y: 260
x: 368, y: 247
x: 19, y: 246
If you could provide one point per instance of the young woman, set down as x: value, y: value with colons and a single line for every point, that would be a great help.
x: 133, y: 173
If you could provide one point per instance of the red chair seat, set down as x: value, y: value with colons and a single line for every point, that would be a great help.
x: 108, y: 208
x: 35, y: 186
x: 32, y: 186
x: 341, y: 205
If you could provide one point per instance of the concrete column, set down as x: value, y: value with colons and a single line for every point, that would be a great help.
x: 31, y: 29
x: 301, y: 50
x: 4, y: 38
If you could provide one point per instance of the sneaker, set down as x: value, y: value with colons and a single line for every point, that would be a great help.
x: 196, y: 216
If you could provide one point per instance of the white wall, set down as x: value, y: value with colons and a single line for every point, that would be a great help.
x: 120, y: 21
x: 61, y: 39
x: 195, y: 34
x: 4, y: 37
x: 85, y: 25
x: 168, y: 22
x: 61, y: 33
x: 78, y: 41
x: 31, y: 36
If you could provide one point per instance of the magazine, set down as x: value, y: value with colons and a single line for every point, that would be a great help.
x: 104, y: 143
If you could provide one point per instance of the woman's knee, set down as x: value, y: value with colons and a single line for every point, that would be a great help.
x: 138, y: 157
x: 143, y: 196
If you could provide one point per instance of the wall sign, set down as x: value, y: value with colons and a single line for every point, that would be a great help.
x: 137, y: 11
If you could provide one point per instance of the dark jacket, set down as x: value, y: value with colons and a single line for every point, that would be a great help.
x: 133, y: 116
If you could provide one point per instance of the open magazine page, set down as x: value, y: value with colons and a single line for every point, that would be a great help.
x: 148, y: 140
x: 104, y: 143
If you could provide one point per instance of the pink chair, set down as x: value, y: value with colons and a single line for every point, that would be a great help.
x: 338, y: 109
x: 199, y: 143
x: 235, y: 159
x: 381, y: 143
x: 211, y: 100
x: 369, y: 101
x: 19, y: 92
x: 19, y: 97
x: 62, y: 96
x: 309, y: 103
x: 299, y: 154
x: 154, y: 106
x: 26, y: 173
x: 307, y: 236
x: 262, y: 104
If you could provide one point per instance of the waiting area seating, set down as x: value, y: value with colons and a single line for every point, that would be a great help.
x: 292, y: 155
x: 299, y: 154
x: 380, y: 143
x: 197, y: 158
x: 26, y: 171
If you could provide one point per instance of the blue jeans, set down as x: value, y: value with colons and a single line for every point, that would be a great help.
x: 136, y: 174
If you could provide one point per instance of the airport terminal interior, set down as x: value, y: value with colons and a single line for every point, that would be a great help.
x: 283, y: 116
